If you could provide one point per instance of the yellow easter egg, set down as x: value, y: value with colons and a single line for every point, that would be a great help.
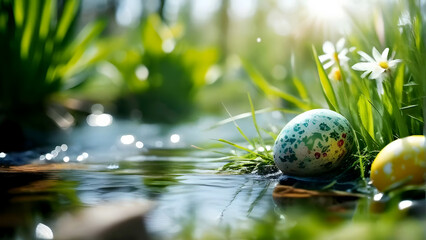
x: 401, y: 161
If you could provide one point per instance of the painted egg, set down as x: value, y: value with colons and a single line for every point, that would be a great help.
x: 401, y: 162
x: 313, y: 143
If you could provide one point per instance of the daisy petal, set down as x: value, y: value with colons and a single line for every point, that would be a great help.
x: 375, y: 74
x: 344, y: 51
x: 393, y: 55
x: 365, y: 74
x: 393, y: 63
x: 363, y: 66
x: 376, y: 54
x: 366, y: 56
x: 328, y: 65
x: 343, y: 59
x: 380, y: 89
x: 340, y: 44
x: 328, y: 47
x: 324, y: 57
x: 385, y: 53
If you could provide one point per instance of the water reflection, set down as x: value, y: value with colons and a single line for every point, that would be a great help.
x: 30, y: 196
x: 82, y: 156
x: 175, y: 138
x: 139, y: 144
x: 127, y: 139
x: 64, y: 147
x: 98, y: 118
x: 159, y: 144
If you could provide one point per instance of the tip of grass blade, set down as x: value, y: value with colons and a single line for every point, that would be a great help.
x: 327, y: 88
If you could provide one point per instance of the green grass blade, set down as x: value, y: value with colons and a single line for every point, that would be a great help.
x: 45, y: 19
x: 239, y: 129
x: 261, y: 82
x: 249, y: 114
x: 68, y: 15
x: 79, y: 47
x: 271, y: 134
x: 396, y: 113
x: 300, y: 87
x: 19, y: 12
x: 212, y: 151
x: 29, y: 29
x: 253, y: 114
x: 398, y: 85
x: 3, y: 22
x: 87, y: 34
x: 327, y: 88
x: 240, y: 147
x: 366, y: 115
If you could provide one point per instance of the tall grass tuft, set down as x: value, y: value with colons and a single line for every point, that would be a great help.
x: 377, y: 116
x: 40, y: 54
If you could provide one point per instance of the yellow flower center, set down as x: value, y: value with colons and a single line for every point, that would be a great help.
x: 337, y: 75
x: 384, y: 65
x: 336, y: 56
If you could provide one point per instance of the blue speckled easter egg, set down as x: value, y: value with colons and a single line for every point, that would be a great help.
x: 313, y: 143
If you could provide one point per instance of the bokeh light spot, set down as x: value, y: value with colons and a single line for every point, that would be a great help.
x: 175, y: 138
x: 127, y: 139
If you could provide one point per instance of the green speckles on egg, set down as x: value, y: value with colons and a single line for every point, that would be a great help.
x: 312, y: 143
x: 324, y: 127
x: 334, y: 135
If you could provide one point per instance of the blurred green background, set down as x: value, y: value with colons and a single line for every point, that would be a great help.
x: 164, y: 61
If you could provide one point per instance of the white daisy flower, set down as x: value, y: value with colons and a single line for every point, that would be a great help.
x: 377, y: 66
x: 334, y: 53
x: 335, y: 74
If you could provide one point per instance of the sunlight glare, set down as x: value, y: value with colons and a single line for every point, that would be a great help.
x: 139, y: 144
x: 82, y: 157
x: 175, y: 138
x: 64, y: 147
x: 49, y: 156
x: 326, y: 10
x: 113, y: 166
x: 99, y: 120
x: 203, y: 10
x: 127, y: 139
x: 128, y: 12
x: 241, y: 9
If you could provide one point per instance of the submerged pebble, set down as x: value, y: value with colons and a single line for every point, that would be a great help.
x: 313, y: 143
x: 401, y: 162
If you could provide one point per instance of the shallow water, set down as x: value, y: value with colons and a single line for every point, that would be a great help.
x: 89, y: 166
x: 185, y: 192
x: 97, y: 165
